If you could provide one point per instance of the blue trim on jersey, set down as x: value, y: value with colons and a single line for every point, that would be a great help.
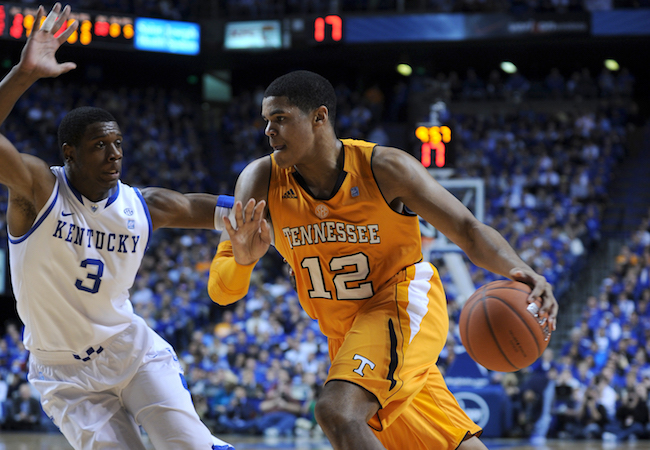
x: 39, y: 221
x: 74, y: 191
x: 146, y: 210
x: 113, y: 196
x: 226, y: 201
x: 184, y: 382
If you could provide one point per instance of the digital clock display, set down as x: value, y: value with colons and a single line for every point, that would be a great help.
x: 328, y: 29
x: 106, y: 30
x: 95, y: 29
x: 435, y: 148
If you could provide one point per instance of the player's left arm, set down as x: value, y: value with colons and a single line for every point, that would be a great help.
x: 402, y: 178
x: 172, y: 209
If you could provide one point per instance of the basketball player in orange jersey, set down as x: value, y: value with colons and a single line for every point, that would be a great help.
x: 343, y: 213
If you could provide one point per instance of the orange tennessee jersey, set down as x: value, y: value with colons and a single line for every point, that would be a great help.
x: 345, y: 249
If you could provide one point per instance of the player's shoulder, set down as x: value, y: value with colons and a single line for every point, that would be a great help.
x: 40, y: 170
x: 258, y: 166
x: 389, y: 158
x: 253, y: 181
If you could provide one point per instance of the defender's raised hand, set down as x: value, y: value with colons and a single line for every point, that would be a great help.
x: 38, y: 58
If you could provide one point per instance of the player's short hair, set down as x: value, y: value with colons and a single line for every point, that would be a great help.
x: 73, y: 126
x: 306, y: 90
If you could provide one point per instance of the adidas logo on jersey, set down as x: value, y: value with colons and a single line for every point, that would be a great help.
x: 289, y: 194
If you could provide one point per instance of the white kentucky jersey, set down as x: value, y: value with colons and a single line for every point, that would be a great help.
x: 72, y: 271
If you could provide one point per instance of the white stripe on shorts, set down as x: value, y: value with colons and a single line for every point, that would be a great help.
x: 418, y: 299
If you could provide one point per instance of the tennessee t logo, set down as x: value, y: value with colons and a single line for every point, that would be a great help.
x: 364, y: 362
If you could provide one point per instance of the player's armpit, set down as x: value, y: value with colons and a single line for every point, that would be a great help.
x: 228, y: 280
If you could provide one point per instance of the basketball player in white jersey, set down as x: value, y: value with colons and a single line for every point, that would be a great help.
x: 77, y: 236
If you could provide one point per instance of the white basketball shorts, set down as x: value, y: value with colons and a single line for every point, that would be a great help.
x: 134, y: 380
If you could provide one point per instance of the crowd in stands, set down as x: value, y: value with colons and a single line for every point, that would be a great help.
x: 258, y: 365
x: 595, y: 386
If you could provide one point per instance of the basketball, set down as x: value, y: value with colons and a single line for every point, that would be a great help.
x: 499, y: 329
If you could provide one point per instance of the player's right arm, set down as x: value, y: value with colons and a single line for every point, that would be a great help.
x: 28, y: 178
x: 247, y: 237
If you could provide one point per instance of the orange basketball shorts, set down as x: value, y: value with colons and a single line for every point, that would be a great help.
x: 391, y: 351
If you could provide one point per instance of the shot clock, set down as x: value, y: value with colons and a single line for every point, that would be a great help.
x: 328, y: 29
x: 435, y: 139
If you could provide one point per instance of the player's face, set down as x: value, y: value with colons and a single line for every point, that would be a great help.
x: 289, y: 129
x: 96, y: 164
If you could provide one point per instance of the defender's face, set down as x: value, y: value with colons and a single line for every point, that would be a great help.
x: 289, y: 129
x: 96, y: 163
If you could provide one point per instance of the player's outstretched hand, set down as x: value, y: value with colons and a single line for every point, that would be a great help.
x: 38, y: 58
x: 540, y: 289
x: 252, y: 237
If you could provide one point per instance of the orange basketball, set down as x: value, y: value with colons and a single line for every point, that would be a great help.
x: 498, y: 327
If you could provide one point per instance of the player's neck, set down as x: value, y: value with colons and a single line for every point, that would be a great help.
x: 82, y: 186
x: 322, y: 172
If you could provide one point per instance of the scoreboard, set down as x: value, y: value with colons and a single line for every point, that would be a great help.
x: 107, y: 30
x: 95, y: 30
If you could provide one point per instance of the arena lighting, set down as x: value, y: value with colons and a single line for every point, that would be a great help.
x: 404, y: 69
x: 508, y: 67
x: 612, y: 64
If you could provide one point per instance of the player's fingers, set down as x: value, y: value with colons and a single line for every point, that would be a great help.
x: 265, y: 229
x: 530, y: 280
x: 61, y: 19
x: 538, y: 290
x: 249, y: 210
x: 551, y: 312
x: 259, y: 210
x: 552, y: 318
x: 68, y: 32
x: 239, y: 215
x: 67, y: 67
x: 39, y: 15
x: 228, y: 226
x: 49, y: 21
x: 548, y: 299
x: 550, y: 307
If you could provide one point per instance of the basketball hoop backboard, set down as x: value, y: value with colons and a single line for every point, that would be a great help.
x: 471, y: 192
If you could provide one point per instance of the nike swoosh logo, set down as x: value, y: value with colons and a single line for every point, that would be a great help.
x: 66, y: 214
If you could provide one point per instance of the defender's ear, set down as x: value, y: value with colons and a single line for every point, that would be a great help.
x: 68, y: 152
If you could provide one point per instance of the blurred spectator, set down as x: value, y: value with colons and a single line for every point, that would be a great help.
x: 24, y: 412
x: 592, y: 417
x: 631, y: 420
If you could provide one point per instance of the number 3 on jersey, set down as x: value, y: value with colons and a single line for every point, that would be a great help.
x: 341, y: 280
x: 94, y: 275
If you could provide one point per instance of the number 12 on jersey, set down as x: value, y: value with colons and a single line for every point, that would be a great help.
x: 349, y: 285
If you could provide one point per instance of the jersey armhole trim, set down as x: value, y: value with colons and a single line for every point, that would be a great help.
x: 146, y: 210
x: 405, y: 211
x: 40, y: 220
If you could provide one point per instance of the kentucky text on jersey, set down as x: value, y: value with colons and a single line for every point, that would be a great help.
x: 120, y: 243
x: 331, y: 231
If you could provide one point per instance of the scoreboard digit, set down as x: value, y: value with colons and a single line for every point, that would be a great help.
x: 435, y: 148
x: 328, y: 29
